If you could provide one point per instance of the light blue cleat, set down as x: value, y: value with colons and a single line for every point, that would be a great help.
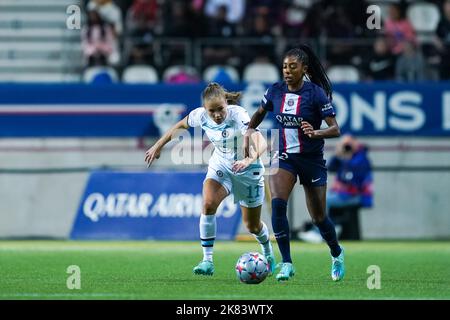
x: 205, y: 268
x: 337, y: 267
x: 287, y: 271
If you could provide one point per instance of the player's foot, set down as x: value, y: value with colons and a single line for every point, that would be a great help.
x: 272, y: 263
x: 337, y: 267
x: 287, y: 271
x: 205, y: 267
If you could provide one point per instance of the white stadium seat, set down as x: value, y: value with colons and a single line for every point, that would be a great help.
x: 211, y: 72
x: 140, y: 74
x: 261, y: 72
x: 343, y: 73
x: 423, y: 16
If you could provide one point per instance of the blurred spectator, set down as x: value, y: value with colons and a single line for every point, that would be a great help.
x: 294, y: 17
x: 398, y: 29
x: 140, y: 54
x: 261, y: 29
x: 410, y: 65
x: 442, y: 41
x: 338, y: 26
x: 351, y: 190
x: 235, y: 9
x: 178, y: 19
x: 315, y: 21
x: 352, y: 187
x: 381, y: 64
x: 219, y: 26
x: 143, y: 23
x: 99, y: 42
x: 142, y: 17
x: 109, y: 12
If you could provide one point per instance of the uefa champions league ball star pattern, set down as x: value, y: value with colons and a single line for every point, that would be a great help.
x: 252, y: 268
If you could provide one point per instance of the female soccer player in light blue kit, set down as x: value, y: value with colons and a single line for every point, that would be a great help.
x: 228, y: 172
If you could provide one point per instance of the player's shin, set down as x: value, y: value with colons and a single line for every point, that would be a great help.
x: 280, y: 226
x: 328, y: 232
x: 207, y: 235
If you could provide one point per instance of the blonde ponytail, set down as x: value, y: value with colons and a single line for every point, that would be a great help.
x: 215, y: 90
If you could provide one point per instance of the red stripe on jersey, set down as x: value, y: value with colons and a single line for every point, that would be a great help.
x: 282, y: 103
x: 282, y: 129
x: 299, y: 128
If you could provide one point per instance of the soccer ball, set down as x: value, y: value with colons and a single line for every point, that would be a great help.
x: 252, y: 268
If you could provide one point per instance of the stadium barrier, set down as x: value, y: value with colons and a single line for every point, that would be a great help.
x: 54, y: 135
x: 379, y: 109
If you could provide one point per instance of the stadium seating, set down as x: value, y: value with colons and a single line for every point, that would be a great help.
x: 181, y: 74
x: 100, y: 74
x: 220, y: 73
x: 36, y: 45
x: 343, y: 73
x: 261, y: 72
x: 140, y: 74
x: 423, y: 16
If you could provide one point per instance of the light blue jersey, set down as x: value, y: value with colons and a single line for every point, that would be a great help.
x: 227, y: 138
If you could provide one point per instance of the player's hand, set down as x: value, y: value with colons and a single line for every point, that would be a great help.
x: 152, y: 154
x: 308, y: 129
x: 241, y: 165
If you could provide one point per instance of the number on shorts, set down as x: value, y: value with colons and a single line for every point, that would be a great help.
x: 250, y: 193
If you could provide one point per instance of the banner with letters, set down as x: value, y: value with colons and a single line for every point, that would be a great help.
x: 78, y: 110
x: 148, y: 205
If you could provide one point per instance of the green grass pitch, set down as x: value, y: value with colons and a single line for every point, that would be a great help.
x: 163, y: 271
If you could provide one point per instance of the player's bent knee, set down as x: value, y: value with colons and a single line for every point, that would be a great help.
x: 209, y: 206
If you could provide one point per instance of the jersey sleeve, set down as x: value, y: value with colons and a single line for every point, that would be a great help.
x: 266, y: 101
x: 242, y: 119
x: 324, y: 104
x: 195, y: 117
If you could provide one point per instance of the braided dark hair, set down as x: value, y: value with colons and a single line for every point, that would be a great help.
x: 316, y: 72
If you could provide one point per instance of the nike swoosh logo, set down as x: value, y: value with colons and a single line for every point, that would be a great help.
x: 315, y: 180
x: 288, y: 110
x: 378, y: 66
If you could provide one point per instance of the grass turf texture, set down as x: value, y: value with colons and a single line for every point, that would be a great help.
x: 163, y: 271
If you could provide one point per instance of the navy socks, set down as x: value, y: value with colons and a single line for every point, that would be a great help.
x: 326, y: 228
x: 280, y: 227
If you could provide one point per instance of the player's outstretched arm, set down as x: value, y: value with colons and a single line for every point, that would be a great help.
x: 332, y: 131
x: 155, y: 151
x: 255, y: 121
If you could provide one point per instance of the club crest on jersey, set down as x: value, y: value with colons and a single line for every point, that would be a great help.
x: 219, y: 173
x: 289, y: 121
x: 290, y: 102
x: 225, y: 133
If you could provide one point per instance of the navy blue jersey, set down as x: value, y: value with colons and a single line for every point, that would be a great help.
x: 310, y: 104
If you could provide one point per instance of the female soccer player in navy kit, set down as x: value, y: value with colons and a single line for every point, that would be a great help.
x: 299, y: 107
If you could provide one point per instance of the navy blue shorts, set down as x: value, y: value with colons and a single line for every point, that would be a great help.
x: 310, y: 169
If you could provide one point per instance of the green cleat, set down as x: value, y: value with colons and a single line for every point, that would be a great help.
x: 287, y: 271
x: 205, y: 267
